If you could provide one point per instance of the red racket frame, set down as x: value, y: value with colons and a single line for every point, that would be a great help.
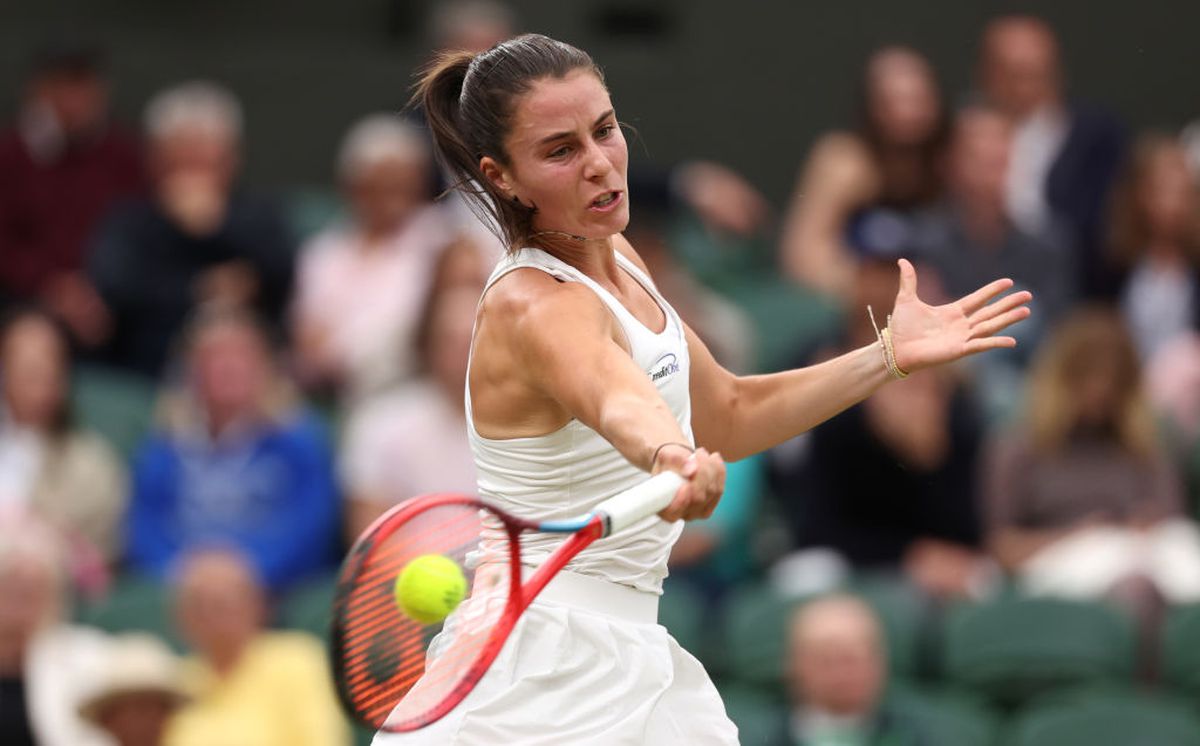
x: 520, y: 595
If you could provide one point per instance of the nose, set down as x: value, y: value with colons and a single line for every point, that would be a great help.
x: 596, y: 163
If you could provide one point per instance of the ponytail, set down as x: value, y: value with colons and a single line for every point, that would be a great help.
x: 468, y: 101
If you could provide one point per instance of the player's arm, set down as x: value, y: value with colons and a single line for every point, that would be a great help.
x: 739, y: 416
x: 742, y: 415
x: 564, y: 342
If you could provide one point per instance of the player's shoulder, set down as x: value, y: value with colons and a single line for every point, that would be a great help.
x: 526, y: 297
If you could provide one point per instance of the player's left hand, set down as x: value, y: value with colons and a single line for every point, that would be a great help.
x: 925, y: 335
x: 704, y: 473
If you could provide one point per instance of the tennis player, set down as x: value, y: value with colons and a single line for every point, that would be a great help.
x: 583, y: 378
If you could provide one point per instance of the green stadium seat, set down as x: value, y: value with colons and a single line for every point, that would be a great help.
x: 117, y: 405
x: 946, y: 718
x: 311, y: 209
x: 1109, y: 718
x: 1010, y: 650
x: 682, y: 611
x: 1181, y: 649
x: 759, y: 716
x: 902, y: 613
x: 134, y: 604
x: 756, y: 620
x: 363, y: 735
x: 308, y: 606
x: 755, y: 627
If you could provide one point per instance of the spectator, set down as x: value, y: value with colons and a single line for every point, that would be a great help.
x: 45, y: 662
x: 237, y: 463
x: 360, y: 286
x: 250, y: 686
x: 837, y: 669
x: 969, y: 236
x: 891, y: 162
x: 64, y: 164
x: 1156, y: 243
x: 137, y: 691
x: 473, y: 25
x: 1081, y: 497
x: 198, y: 240
x: 413, y: 439
x: 1065, y: 155
x: 889, y: 484
x: 67, y: 476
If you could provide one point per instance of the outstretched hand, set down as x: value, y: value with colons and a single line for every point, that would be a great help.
x: 925, y: 335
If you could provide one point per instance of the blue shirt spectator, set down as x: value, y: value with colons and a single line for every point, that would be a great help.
x: 238, y: 465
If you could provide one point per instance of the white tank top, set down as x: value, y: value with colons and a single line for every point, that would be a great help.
x: 567, y: 472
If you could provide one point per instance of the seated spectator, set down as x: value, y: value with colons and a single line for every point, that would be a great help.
x: 969, y: 238
x: 1082, y: 501
x: 889, y: 484
x: 837, y: 671
x: 137, y: 691
x: 46, y: 664
x: 64, y: 164
x: 1156, y: 243
x: 250, y: 686
x: 889, y: 163
x: 197, y: 240
x: 237, y: 462
x: 360, y: 286
x: 1065, y: 154
x: 67, y: 476
x: 413, y: 440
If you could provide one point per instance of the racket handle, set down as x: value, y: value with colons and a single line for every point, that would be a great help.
x: 634, y: 504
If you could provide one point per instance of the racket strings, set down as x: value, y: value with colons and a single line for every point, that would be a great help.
x: 383, y: 653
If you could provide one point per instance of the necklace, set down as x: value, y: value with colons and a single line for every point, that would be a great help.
x: 571, y: 236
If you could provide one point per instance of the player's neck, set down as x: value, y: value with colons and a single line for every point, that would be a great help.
x: 594, y: 257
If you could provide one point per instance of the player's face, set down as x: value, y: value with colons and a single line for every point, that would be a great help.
x: 568, y: 157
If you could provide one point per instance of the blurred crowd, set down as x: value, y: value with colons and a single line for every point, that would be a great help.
x: 299, y: 380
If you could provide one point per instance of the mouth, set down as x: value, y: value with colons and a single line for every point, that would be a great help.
x: 607, y: 202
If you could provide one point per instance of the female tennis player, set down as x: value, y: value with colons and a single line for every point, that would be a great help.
x: 582, y: 379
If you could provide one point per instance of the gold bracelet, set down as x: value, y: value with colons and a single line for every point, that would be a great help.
x: 889, y: 351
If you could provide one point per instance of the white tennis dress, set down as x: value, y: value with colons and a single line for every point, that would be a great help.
x: 588, y: 662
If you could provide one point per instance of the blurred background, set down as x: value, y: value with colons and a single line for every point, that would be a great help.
x: 236, y: 318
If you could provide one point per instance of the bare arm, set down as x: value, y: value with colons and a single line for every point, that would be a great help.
x: 740, y: 416
x: 837, y: 179
x: 563, y: 347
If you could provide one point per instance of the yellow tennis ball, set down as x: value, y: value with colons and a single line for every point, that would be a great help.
x: 430, y: 587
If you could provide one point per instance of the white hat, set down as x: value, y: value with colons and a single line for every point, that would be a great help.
x: 135, y: 663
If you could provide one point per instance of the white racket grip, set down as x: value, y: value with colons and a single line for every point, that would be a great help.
x: 634, y: 504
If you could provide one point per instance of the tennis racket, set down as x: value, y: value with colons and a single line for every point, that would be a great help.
x: 396, y: 674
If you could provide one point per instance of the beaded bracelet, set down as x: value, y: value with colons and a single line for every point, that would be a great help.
x: 885, y: 341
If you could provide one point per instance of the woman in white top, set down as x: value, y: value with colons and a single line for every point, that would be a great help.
x: 583, y: 379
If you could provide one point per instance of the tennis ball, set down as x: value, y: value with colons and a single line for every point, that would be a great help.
x: 430, y: 587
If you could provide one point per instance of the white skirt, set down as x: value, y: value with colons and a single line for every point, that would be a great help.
x: 586, y: 664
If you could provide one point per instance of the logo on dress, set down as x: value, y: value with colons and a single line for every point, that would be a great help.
x: 665, y: 366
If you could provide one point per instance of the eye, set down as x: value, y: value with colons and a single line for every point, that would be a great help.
x: 605, y: 131
x: 560, y: 152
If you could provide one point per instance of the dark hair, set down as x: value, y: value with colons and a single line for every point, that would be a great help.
x: 13, y: 317
x: 469, y: 100
x: 75, y: 58
x: 927, y: 184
